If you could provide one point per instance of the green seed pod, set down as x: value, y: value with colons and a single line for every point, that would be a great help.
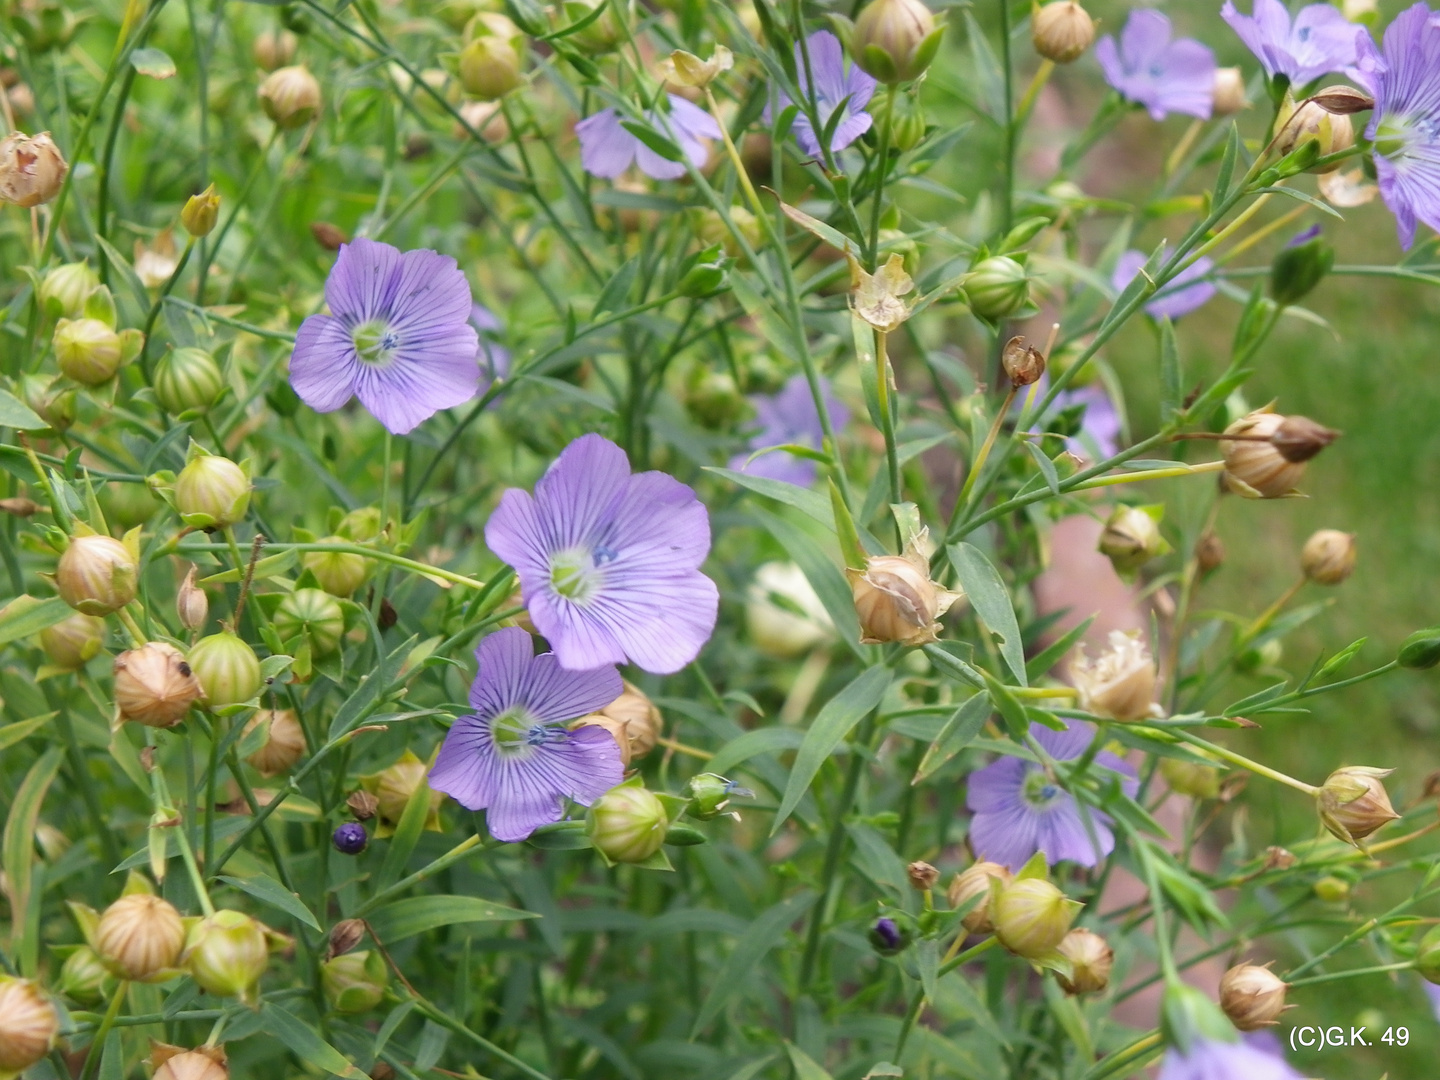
x: 490, y: 62
x: 96, y: 575
x: 228, y: 670
x: 1032, y: 917
x: 211, y: 492
x: 627, y: 824
x: 996, y: 287
x: 290, y: 96
x: 895, y: 40
x: 339, y: 573
x: 187, y: 380
x: 1427, y: 957
x: 55, y: 404
x: 226, y: 953
x: 71, y: 642
x: 315, y: 614
x: 140, y: 937
x: 128, y: 505
x: 1421, y: 649
x: 87, y: 350
x: 63, y: 291
x: 354, y: 982
x: 84, y: 979
x: 360, y: 525
x: 1332, y: 890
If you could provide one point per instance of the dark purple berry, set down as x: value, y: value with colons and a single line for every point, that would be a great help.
x: 887, y: 938
x: 350, y: 838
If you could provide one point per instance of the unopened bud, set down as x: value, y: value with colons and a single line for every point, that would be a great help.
x: 191, y: 604
x: 1427, y: 956
x: 228, y: 669
x: 888, y: 938
x: 896, y: 600
x: 972, y: 882
x: 1131, y: 538
x: 339, y: 573
x: 1328, y: 557
x: 73, y: 641
x: 922, y: 876
x: 87, y: 350
x: 359, y: 525
x: 310, y: 616
x: 354, y: 982
x: 96, y: 575
x: 363, y: 805
x: 1189, y: 778
x: 688, y: 70
x: 203, y: 1063
x: 154, y: 685
x: 895, y: 40
x: 1254, y: 467
x: 1309, y: 122
x: 1299, y: 266
x: 188, y: 380
x: 290, y: 96
x: 1119, y: 684
x: 29, y: 1025
x: 350, y: 838
x: 1298, y: 438
x: 273, y: 49
x: 32, y: 169
x: 1353, y: 802
x: 1024, y: 364
x: 200, y: 212
x: 1343, y: 100
x: 627, y: 824
x: 710, y: 795
x: 84, y: 979
x: 490, y: 63
x: 1209, y: 551
x: 1228, y: 96
x: 344, y: 936
x: 1091, y: 959
x: 1061, y: 31
x: 1032, y: 917
x: 996, y: 287
x: 1252, y: 997
x: 330, y: 237
x: 1332, y: 889
x: 226, y: 953
x: 64, y: 289
x: 1421, y: 649
x: 284, y: 741
x: 140, y: 937
x: 211, y: 492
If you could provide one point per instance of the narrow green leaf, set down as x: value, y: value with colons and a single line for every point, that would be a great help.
x: 417, y: 914
x: 406, y: 836
x: 19, y: 851
x: 374, y: 686
x: 806, y: 1067
x: 613, y: 296
x: 153, y: 62
x: 766, y: 740
x: 307, y: 1045
x: 835, y: 721
x: 1227, y: 162
x: 394, y: 1020
x: 14, y: 413
x: 1170, y: 377
x: 11, y: 734
x: 32, y: 620
x: 810, y: 503
x: 1044, y: 660
x: 959, y: 732
x: 269, y: 891
x: 654, y: 140
x: 824, y: 576
x: 763, y: 934
x: 988, y: 596
x: 817, y: 228
x: 1017, y: 721
x: 927, y: 960
x: 851, y: 553
x: 1046, y: 466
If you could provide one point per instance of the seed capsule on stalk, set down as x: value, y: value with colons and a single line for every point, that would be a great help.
x: 1229, y: 96
x: 284, y: 741
x: 895, y: 598
x: 202, y: 1063
x: 97, y: 574
x: 211, y: 492
x: 290, y: 96
x: 1328, y: 557
x: 29, y: 1025
x: 1032, y: 917
x: 1023, y: 363
x: 273, y: 49
x: 84, y: 979
x: 191, y: 604
x: 975, y: 881
x: 339, y: 573
x: 1131, y: 538
x: 188, y: 380
x: 1061, y: 31
x: 1252, y: 996
x: 895, y: 40
x: 313, y: 614
x: 228, y: 669
x: 1119, y: 683
x: 1270, y: 460
x: 393, y: 787
x: 139, y: 937
x: 1091, y: 959
x: 154, y: 685
x: 32, y: 169
x: 73, y: 641
x: 996, y: 287
x: 226, y: 953
x: 1353, y: 803
x: 64, y: 289
x: 627, y: 824
x: 354, y: 982
x: 87, y: 350
x: 922, y: 876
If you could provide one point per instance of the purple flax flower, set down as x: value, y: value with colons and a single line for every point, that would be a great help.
x: 607, y: 149
x: 609, y: 563
x: 789, y: 417
x: 396, y: 337
x: 493, y: 358
x: 1100, y: 428
x: 834, y: 83
x: 1163, y: 75
x: 1432, y: 994
x: 1320, y: 41
x: 1405, y: 81
x: 1181, y: 295
x: 1020, y: 810
x: 1212, y: 1060
x: 514, y: 756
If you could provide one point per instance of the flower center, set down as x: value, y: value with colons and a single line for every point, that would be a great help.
x: 516, y: 732
x: 375, y: 343
x: 574, y: 573
x: 1040, y: 791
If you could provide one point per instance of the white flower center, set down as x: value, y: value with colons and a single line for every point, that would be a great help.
x: 375, y: 343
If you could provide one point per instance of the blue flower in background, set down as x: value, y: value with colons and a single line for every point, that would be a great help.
x: 1181, y: 295
x: 607, y: 149
x: 834, y: 83
x: 1163, y: 75
x: 1319, y: 41
x: 789, y: 417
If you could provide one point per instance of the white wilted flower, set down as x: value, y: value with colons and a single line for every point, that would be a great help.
x: 1120, y: 682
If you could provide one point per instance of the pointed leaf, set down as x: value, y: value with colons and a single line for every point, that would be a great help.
x: 19, y: 852
x: 988, y: 596
x: 269, y: 891
x: 417, y: 914
x: 306, y: 1043
x: 959, y: 732
x: 762, y: 935
x: 14, y: 413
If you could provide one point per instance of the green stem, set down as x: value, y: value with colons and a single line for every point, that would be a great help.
x: 1403, y: 965
x: 1007, y: 201
x: 882, y: 171
x: 97, y: 1044
x: 454, y: 855
x: 261, y: 160
x: 887, y: 420
x: 1244, y: 762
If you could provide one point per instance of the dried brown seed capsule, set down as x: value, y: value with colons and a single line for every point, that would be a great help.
x: 1252, y: 997
x: 154, y: 685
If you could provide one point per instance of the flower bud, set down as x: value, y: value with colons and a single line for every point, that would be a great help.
x: 1131, y: 538
x: 191, y: 604
x: 228, y: 670
x: 1090, y: 962
x: 206, y: 1063
x: 1228, y: 97
x: 87, y: 350
x: 1189, y: 778
x: 895, y: 598
x: 1298, y: 438
x: 226, y: 953
x: 1023, y: 363
x: 154, y: 685
x: 1296, y: 126
x: 360, y: 525
x: 1332, y: 890
x: 1427, y: 956
x: 392, y: 788
x: 29, y: 1025
x: 710, y: 795
x: 200, y: 212
x: 51, y: 398
x: 71, y: 642
x: 1032, y: 917
x: 84, y: 979
x: 64, y: 289
x: 1299, y: 266
x: 284, y: 741
x: 290, y: 96
x: 316, y: 615
x: 354, y: 982
x: 1252, y: 997
x: 128, y: 505
x: 975, y: 881
x: 783, y: 614
x: 490, y: 63
x: 1209, y: 551
x: 96, y: 575
x: 1421, y: 649
x: 606, y: 32
x: 922, y: 876
x: 1328, y: 557
x: 996, y: 287
x: 187, y: 380
x: 339, y: 573
x: 1120, y: 682
x: 889, y: 939
x: 1254, y: 467
x: 687, y: 70
x: 1061, y: 31
x: 211, y: 492
x: 907, y: 119
x: 273, y: 49
x: 895, y: 40
x: 32, y: 169
x: 627, y: 824
x: 1353, y: 802
x: 140, y: 937
x: 350, y: 838
x: 362, y: 804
